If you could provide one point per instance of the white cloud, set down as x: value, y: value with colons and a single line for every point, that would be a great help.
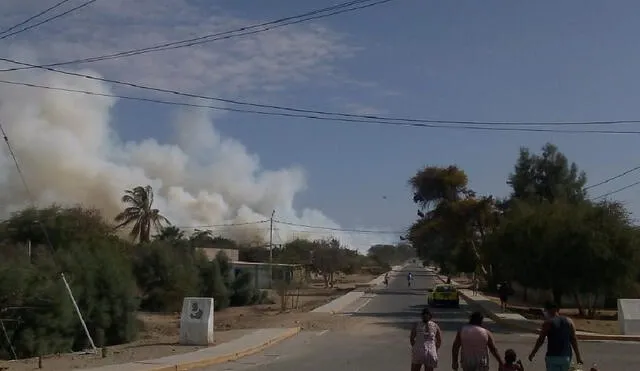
x: 71, y: 154
x: 259, y: 62
x: 361, y: 109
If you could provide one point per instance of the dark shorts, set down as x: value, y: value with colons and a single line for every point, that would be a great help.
x: 504, y: 298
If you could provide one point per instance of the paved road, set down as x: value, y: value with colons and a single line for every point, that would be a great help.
x: 382, y: 343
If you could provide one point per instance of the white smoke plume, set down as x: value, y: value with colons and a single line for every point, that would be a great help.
x: 70, y: 155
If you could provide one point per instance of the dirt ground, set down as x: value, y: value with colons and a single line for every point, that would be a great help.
x: 605, y: 322
x: 159, y: 332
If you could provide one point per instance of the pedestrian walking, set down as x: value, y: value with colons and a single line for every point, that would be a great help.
x: 472, y: 346
x: 475, y: 284
x: 425, y: 340
x: 504, y: 290
x: 560, y: 333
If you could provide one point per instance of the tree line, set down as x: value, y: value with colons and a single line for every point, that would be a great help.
x: 113, y: 277
x: 546, y: 234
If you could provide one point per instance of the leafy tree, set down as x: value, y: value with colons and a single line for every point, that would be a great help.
x: 548, y: 176
x: 140, y: 213
x: 391, y: 254
x: 165, y: 275
x: 327, y: 259
x: 453, y: 221
x: 63, y: 226
x: 170, y: 233
x: 212, y: 282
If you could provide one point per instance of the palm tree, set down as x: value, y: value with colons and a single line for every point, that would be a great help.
x: 140, y: 213
x: 170, y: 233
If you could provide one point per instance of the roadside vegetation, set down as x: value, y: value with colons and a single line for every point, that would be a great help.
x: 114, y: 276
x: 549, y: 236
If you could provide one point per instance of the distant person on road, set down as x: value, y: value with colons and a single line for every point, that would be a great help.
x: 425, y: 340
x: 504, y: 290
x: 386, y: 279
x: 476, y: 342
x: 476, y: 285
x: 561, y: 338
x: 409, y: 278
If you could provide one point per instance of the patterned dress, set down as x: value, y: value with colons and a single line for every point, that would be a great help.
x: 424, y: 350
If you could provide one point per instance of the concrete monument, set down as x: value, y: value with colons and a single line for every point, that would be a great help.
x: 196, y: 321
x: 629, y: 316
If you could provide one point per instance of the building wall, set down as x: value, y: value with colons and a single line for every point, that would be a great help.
x: 261, y: 272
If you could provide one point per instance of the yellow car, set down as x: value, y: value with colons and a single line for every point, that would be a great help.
x: 446, y: 295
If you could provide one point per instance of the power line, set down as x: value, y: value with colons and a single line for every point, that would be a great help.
x: 34, y: 16
x: 337, y: 229
x: 617, y: 190
x: 46, y: 20
x: 221, y: 225
x: 363, y: 119
x: 613, y: 178
x: 242, y: 31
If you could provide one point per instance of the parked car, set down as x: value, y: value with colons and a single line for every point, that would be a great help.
x: 444, y: 295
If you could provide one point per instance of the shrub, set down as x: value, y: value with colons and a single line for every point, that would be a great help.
x: 165, y: 275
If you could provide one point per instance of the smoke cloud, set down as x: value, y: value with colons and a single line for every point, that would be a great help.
x: 70, y: 154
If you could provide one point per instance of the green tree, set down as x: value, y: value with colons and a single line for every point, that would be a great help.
x: 453, y: 221
x: 170, y: 233
x: 165, y: 275
x: 547, y: 176
x: 96, y: 265
x: 63, y: 226
x: 140, y: 213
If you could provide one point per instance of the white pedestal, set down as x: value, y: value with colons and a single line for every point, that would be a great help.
x: 629, y: 316
x: 196, y: 321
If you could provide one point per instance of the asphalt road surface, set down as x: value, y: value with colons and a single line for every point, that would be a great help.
x: 382, y: 344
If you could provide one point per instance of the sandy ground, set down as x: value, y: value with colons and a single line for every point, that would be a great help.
x: 159, y: 332
x: 606, y: 321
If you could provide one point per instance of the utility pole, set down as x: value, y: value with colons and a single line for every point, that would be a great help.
x: 271, y: 249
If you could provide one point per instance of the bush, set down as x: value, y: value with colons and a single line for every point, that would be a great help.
x: 211, y: 282
x: 45, y: 320
x: 165, y: 275
x: 102, y: 280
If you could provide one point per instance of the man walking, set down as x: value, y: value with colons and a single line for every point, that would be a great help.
x: 476, y: 343
x: 561, y: 338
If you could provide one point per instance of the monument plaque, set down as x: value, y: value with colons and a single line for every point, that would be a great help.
x: 629, y: 316
x: 196, y: 321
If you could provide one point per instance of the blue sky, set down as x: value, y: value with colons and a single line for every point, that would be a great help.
x: 452, y: 60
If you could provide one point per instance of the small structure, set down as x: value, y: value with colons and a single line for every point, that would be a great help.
x: 261, y: 272
x: 196, y: 321
x: 629, y: 316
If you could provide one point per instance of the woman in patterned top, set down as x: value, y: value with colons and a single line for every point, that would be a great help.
x: 425, y: 341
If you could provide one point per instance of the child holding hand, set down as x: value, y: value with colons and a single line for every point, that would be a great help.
x: 511, y: 362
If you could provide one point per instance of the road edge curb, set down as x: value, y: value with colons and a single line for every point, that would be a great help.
x: 363, y: 290
x: 224, y: 358
x: 529, y: 327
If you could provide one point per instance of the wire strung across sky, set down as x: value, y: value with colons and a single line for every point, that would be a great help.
x: 616, y: 191
x: 46, y: 20
x: 59, y: 4
x: 348, y: 118
x: 345, y: 7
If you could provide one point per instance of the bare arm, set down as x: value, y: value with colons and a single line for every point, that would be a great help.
x: 438, y: 338
x: 412, y: 337
x: 492, y: 348
x: 455, y: 351
x: 574, y: 341
x: 543, y: 334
